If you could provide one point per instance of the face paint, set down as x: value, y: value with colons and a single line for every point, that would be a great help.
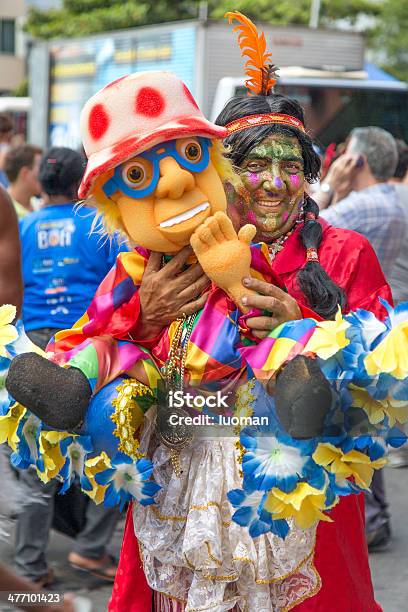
x: 253, y: 178
x: 295, y: 180
x: 273, y: 178
x: 251, y: 217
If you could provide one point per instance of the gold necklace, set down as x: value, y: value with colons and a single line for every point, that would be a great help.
x: 175, y: 437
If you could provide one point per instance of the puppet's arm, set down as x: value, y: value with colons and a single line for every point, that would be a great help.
x: 91, y: 353
x: 224, y: 255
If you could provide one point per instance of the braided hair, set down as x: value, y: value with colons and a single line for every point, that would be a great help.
x: 61, y: 171
x: 323, y: 295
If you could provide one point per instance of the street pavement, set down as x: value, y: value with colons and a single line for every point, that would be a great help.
x: 389, y: 569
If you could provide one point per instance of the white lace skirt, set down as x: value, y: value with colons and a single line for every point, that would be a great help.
x: 194, y: 553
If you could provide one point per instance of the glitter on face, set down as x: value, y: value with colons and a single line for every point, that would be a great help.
x: 272, y: 178
x: 251, y: 216
x: 295, y: 180
x: 253, y: 178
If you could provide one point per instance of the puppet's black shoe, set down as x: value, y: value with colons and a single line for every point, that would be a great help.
x: 58, y: 396
x: 303, y: 397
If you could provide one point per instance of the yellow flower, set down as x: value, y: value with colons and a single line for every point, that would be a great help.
x: 329, y: 337
x: 377, y: 410
x: 9, y: 424
x: 391, y: 355
x: 51, y: 454
x: 8, y: 333
x: 92, y: 467
x: 305, y: 505
x: 345, y: 465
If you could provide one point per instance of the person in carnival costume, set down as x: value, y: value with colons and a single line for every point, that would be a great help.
x: 208, y: 538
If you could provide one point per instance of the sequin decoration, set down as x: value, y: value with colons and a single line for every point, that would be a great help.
x: 126, y: 406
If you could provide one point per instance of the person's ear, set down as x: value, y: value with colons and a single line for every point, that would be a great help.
x: 24, y: 171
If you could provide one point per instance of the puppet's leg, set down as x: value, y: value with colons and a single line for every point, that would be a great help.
x: 303, y: 398
x: 59, y: 396
x: 303, y: 395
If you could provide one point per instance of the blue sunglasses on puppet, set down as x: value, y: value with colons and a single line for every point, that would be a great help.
x: 138, y: 177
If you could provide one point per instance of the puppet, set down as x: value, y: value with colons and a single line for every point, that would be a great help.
x: 154, y: 171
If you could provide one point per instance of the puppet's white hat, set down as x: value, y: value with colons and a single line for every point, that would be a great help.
x: 134, y: 113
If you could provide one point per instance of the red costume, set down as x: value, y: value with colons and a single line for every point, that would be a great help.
x: 341, y: 557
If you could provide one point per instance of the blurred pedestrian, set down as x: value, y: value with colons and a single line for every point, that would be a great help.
x: 21, y: 165
x: 399, y: 276
x: 11, y: 286
x: 6, y: 134
x: 63, y: 264
x: 363, y: 201
x: 359, y: 196
x: 11, y: 293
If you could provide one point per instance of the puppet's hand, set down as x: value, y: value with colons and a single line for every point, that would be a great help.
x: 224, y: 255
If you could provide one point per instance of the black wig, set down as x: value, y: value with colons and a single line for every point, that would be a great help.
x: 323, y: 295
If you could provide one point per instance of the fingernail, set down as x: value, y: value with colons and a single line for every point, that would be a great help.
x: 246, y: 281
x: 244, y: 300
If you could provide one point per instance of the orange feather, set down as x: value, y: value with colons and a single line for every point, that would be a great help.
x: 253, y: 45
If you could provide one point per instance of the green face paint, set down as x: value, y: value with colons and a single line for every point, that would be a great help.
x: 273, y: 179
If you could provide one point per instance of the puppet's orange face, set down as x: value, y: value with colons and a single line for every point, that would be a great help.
x: 182, y: 199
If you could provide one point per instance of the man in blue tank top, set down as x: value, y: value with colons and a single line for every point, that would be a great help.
x: 64, y: 260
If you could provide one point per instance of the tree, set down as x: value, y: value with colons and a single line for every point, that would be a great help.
x: 287, y: 12
x: 81, y: 17
x: 390, y: 38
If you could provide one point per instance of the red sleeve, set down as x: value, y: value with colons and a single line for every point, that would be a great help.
x: 351, y: 263
x: 308, y: 313
x: 363, y: 279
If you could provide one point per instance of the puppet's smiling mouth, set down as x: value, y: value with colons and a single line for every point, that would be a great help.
x: 188, y: 214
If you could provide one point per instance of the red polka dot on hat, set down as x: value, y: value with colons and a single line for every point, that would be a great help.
x: 98, y: 121
x: 149, y: 102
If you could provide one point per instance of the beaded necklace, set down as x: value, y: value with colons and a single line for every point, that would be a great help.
x: 276, y: 246
x: 175, y: 437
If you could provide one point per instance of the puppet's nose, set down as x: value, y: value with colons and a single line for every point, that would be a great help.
x: 174, y: 181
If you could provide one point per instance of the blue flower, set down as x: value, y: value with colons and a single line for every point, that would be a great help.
x: 275, y: 462
x: 342, y: 486
x: 395, y: 437
x: 250, y: 513
x: 366, y: 328
x: 396, y: 315
x: 128, y: 479
x: 75, y: 450
x: 28, y: 451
